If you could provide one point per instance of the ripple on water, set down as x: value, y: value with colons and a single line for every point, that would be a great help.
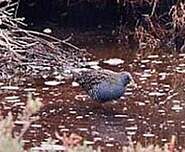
x: 49, y: 147
x: 19, y: 122
x: 164, y: 140
x: 148, y: 135
x: 128, y: 93
x: 75, y: 84
x: 114, y: 61
x: 176, y: 101
x: 97, y: 139
x: 109, y: 145
x: 36, y: 125
x: 20, y: 104
x: 177, y: 108
x: 141, y: 103
x: 30, y: 89
x: 131, y: 133
x: 83, y: 129
x: 157, y: 62
x: 121, y: 116
x: 131, y: 128
x: 79, y: 117
x: 182, y: 55
x: 131, y: 120
x: 81, y: 97
x: 145, y: 61
x: 10, y: 87
x: 52, y: 83
x: 72, y: 112
x: 161, y: 111
x: 153, y: 56
x: 180, y: 69
x: 45, y: 88
x: 158, y: 94
x: 11, y: 97
x: 64, y: 130
x: 146, y: 75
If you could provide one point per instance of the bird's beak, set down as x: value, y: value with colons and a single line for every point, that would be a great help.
x: 132, y: 83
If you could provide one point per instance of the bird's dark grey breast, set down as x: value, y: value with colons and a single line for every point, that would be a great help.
x: 101, y: 86
x: 107, y: 91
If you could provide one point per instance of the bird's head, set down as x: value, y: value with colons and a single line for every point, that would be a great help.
x: 127, y: 79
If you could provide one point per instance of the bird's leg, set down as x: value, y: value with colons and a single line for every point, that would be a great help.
x: 97, y: 105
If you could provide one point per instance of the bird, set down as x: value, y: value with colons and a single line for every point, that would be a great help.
x: 103, y: 85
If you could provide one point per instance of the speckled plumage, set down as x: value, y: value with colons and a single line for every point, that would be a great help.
x: 103, y: 85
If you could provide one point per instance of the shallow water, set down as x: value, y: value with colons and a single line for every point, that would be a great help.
x: 150, y: 113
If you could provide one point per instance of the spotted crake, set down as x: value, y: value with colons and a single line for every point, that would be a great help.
x: 103, y: 85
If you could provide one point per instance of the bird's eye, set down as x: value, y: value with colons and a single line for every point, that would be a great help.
x: 128, y: 78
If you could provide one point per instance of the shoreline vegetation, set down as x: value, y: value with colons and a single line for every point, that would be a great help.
x: 25, y: 52
x: 148, y: 24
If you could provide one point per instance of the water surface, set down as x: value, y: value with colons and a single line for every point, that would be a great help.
x: 150, y: 113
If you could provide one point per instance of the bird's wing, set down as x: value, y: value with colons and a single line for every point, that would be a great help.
x: 88, y: 79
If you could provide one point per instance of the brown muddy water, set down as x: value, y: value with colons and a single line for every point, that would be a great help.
x: 150, y: 113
